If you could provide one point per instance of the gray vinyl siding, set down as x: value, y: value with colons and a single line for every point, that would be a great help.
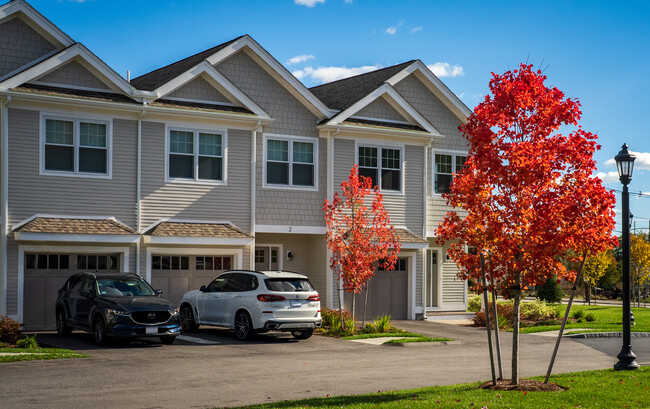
x: 194, y: 201
x: 279, y: 206
x: 199, y: 90
x: 12, y: 276
x: 453, y: 288
x: 404, y: 210
x: 309, y: 256
x: 19, y: 45
x: 73, y: 74
x: 31, y: 193
x: 380, y: 109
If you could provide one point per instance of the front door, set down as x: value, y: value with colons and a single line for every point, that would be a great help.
x: 267, y: 258
x: 432, y: 279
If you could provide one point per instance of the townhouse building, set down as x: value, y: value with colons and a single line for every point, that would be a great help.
x: 218, y: 161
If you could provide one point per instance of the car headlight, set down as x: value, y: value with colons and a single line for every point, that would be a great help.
x: 110, y: 311
x: 173, y: 312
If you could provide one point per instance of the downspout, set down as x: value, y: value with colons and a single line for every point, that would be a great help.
x: 138, y: 194
x: 253, y: 190
x: 4, y: 201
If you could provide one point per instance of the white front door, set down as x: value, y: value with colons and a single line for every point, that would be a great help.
x: 432, y: 279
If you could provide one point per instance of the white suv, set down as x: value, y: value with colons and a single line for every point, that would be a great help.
x: 251, y: 302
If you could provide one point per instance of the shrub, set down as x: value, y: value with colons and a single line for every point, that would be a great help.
x: 590, y: 317
x: 474, y: 303
x: 331, y: 317
x: 350, y: 326
x: 538, y: 311
x: 9, y: 330
x: 578, y: 314
x: 505, y: 313
x: 368, y: 329
x: 550, y: 291
x: 27, y: 342
x: 383, y: 323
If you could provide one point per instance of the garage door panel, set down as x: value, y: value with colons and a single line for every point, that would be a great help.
x: 34, y: 316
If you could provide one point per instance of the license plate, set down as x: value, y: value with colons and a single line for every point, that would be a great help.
x: 296, y: 303
x: 151, y: 330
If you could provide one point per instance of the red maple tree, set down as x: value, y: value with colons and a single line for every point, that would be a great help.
x: 359, y: 236
x: 527, y: 192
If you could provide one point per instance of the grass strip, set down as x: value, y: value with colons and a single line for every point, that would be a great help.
x: 34, y: 354
x: 418, y: 339
x: 382, y: 334
x: 590, y: 389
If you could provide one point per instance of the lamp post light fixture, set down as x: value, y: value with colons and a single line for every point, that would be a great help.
x: 625, y: 166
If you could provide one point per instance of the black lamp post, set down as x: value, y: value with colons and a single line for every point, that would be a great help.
x: 625, y: 165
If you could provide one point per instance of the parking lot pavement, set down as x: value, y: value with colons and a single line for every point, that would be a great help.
x: 222, y: 371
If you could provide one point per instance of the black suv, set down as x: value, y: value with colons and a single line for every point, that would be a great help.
x: 115, y: 305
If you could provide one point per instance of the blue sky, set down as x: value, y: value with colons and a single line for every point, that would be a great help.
x: 596, y: 51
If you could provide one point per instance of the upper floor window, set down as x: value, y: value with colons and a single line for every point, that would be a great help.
x: 290, y: 161
x: 196, y: 155
x: 444, y: 167
x: 76, y: 147
x: 383, y: 165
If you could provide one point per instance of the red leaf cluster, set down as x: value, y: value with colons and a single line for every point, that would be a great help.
x: 359, y: 236
x: 528, y: 192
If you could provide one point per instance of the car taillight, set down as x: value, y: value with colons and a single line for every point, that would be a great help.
x: 315, y: 297
x: 270, y: 297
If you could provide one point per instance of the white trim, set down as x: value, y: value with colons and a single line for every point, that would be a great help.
x: 379, y: 147
x: 412, y: 273
x: 87, y: 238
x: 454, y: 154
x: 392, y: 121
x: 45, y: 26
x: 202, y: 101
x: 67, y: 86
x: 414, y: 246
x: 198, y: 241
x: 276, y: 70
x: 60, y: 216
x: 437, y: 87
x: 270, y: 246
x: 196, y: 146
x: 4, y: 200
x: 389, y: 133
x: 189, y: 251
x: 290, y: 139
x: 76, y: 144
x: 278, y: 228
x: 60, y: 249
x: 398, y: 102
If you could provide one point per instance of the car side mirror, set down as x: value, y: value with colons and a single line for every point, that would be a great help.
x: 158, y: 292
x: 85, y: 293
x: 203, y: 289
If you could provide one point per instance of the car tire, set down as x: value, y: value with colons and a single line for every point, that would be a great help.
x: 244, y: 326
x: 303, y: 334
x: 99, y: 331
x: 167, y: 340
x: 61, y: 327
x: 186, y: 316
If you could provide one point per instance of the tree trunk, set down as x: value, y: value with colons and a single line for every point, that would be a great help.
x: 587, y: 293
x: 496, y: 327
x: 515, y: 330
x: 365, y: 304
x: 354, y: 297
x: 487, y: 319
x: 338, y: 291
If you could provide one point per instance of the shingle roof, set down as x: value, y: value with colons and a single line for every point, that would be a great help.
x: 382, y: 124
x: 154, y: 79
x: 187, y: 229
x: 75, y: 226
x: 76, y: 93
x: 199, y: 106
x: 342, y: 94
x: 407, y: 237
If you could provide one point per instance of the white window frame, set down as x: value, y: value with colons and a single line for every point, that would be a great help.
x: 290, y: 139
x: 453, y: 164
x: 196, y: 131
x: 379, y: 147
x: 76, y: 120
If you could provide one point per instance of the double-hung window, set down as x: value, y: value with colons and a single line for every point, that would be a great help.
x: 76, y: 147
x: 196, y: 155
x: 381, y: 164
x: 290, y: 161
x: 445, y: 165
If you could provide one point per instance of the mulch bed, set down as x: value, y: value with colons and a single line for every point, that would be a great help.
x: 526, y: 385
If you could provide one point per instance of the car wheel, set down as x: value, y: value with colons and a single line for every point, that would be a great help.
x: 243, y: 326
x: 99, y: 331
x: 61, y: 328
x: 167, y: 340
x: 187, y: 319
x: 303, y: 334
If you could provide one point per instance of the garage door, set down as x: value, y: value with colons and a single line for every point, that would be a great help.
x: 387, y: 294
x: 175, y: 275
x: 46, y: 273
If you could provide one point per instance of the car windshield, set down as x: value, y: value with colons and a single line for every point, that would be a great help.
x: 124, y: 287
x: 288, y: 284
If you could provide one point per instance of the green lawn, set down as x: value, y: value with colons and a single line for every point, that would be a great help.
x: 607, y: 319
x: 32, y: 354
x: 592, y: 389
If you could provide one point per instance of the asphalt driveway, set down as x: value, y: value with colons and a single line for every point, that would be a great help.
x: 213, y: 369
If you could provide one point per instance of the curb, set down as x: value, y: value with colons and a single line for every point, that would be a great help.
x: 608, y: 335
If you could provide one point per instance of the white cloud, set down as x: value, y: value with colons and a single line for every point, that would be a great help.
x: 393, y: 29
x: 308, y: 3
x: 328, y: 74
x: 444, y: 69
x: 300, y: 58
x: 642, y: 160
x: 608, y: 177
x: 416, y: 29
